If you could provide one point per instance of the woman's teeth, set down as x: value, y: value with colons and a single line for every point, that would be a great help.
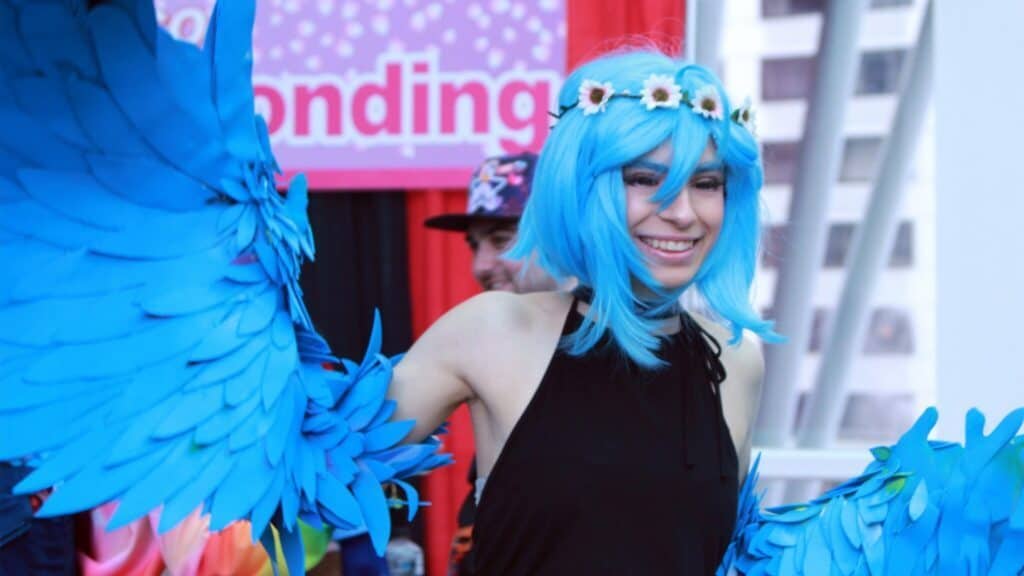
x: 669, y: 245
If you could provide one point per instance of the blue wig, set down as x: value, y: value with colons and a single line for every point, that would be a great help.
x: 574, y: 224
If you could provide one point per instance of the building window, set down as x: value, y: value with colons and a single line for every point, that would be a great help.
x: 786, y: 78
x: 792, y: 78
x: 889, y: 332
x: 838, y: 245
x: 877, y: 418
x: 840, y: 238
x: 774, y: 246
x: 903, y: 248
x: 779, y: 159
x: 777, y: 8
x: 890, y: 3
x: 880, y: 72
x: 860, y: 159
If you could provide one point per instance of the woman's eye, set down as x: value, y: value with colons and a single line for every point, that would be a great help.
x: 708, y: 183
x: 645, y: 180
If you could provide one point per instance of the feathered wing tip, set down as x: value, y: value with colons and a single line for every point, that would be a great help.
x: 920, y: 507
x: 748, y: 516
x: 364, y: 447
x: 154, y: 344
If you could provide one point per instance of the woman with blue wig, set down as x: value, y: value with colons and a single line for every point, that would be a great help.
x: 613, y: 427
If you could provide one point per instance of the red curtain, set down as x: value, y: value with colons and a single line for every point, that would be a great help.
x: 439, y: 278
x: 594, y: 28
x: 439, y: 262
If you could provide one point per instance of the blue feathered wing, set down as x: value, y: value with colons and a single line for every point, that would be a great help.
x: 154, y: 347
x: 920, y: 508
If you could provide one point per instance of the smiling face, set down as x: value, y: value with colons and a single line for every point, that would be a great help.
x: 676, y: 240
x: 489, y: 241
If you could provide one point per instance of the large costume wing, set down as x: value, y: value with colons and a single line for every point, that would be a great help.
x: 920, y: 508
x: 154, y: 347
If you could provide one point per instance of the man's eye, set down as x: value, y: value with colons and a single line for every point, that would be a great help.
x: 500, y: 242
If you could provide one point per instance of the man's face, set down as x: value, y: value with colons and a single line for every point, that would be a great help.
x: 488, y: 241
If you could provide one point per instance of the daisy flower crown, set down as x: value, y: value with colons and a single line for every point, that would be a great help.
x: 661, y: 91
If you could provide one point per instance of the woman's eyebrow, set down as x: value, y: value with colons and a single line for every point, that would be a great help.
x: 713, y: 166
x: 656, y: 166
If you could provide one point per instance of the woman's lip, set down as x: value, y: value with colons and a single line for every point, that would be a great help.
x: 683, y: 257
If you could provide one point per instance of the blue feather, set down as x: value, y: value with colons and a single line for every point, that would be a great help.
x: 152, y: 184
x: 367, y: 490
x: 97, y: 484
x: 225, y: 422
x: 58, y: 38
x: 388, y: 435
x: 151, y: 321
x: 134, y: 82
x: 194, y: 493
x: 337, y: 499
x: 264, y: 509
x: 13, y: 54
x: 232, y: 66
x: 247, y: 384
x: 282, y: 432
x: 177, y: 470
x: 45, y: 428
x: 78, y: 196
x: 74, y: 456
x: 118, y: 358
x: 183, y: 70
x: 189, y: 410
x: 34, y: 148
x: 294, y: 554
x: 103, y: 122
x: 45, y: 98
x: 260, y: 311
x: 248, y: 480
x: 921, y: 508
x: 270, y: 546
x: 412, y: 498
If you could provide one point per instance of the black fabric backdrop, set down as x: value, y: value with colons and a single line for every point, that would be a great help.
x: 361, y: 264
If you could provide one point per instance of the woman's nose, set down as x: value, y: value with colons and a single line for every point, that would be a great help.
x: 680, y: 211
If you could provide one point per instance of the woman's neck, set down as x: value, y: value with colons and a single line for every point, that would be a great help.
x: 668, y: 323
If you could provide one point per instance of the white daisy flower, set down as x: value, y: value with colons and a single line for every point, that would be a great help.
x: 746, y: 116
x: 707, y: 103
x: 594, y: 96
x: 661, y: 91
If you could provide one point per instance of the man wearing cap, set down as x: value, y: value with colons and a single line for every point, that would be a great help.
x: 497, y: 195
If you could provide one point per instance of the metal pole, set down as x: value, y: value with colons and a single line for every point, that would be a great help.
x: 808, y: 218
x: 690, y: 29
x: 871, y: 246
x: 709, y: 35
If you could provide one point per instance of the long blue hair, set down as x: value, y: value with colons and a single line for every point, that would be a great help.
x: 574, y: 225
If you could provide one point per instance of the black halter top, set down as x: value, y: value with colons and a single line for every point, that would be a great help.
x: 614, y: 469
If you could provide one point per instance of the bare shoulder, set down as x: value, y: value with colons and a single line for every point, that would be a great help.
x: 504, y: 312
x: 492, y: 326
x: 741, y: 391
x: 461, y: 356
x: 743, y: 361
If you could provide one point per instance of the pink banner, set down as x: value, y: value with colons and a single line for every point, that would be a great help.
x: 378, y: 94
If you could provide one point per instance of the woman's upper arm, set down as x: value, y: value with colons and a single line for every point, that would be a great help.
x: 741, y: 395
x: 429, y: 382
